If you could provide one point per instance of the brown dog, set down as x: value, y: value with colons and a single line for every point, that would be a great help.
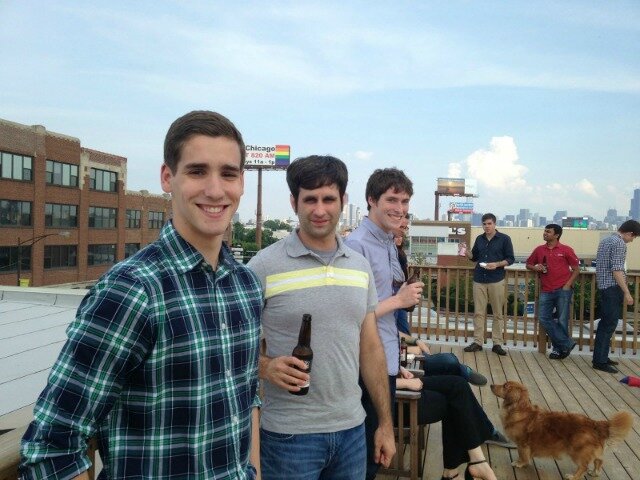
x: 541, y: 433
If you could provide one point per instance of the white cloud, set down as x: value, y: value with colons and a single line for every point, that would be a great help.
x: 497, y: 167
x: 362, y: 155
x: 331, y: 55
x: 585, y: 186
x: 455, y: 170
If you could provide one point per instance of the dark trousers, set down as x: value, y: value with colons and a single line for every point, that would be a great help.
x: 465, y: 424
x: 610, y: 308
x: 371, y: 423
x: 444, y: 364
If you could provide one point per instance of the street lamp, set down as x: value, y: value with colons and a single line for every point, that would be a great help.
x: 30, y: 242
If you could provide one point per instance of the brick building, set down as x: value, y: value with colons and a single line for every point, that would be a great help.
x: 68, y: 207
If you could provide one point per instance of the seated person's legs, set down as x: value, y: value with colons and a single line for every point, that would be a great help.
x: 465, y: 426
x: 448, y: 364
x: 442, y: 364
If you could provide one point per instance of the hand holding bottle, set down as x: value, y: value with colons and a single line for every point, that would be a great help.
x: 411, y: 292
x: 286, y: 372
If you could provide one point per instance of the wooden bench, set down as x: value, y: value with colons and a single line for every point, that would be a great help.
x: 413, y: 433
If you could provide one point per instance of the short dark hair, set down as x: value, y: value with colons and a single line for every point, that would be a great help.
x: 489, y: 216
x: 556, y: 228
x: 383, y: 179
x: 317, y: 171
x: 198, y: 122
x: 630, y: 226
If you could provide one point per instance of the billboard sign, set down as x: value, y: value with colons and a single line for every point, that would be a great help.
x: 267, y: 157
x: 451, y: 186
x: 458, y: 187
x: 460, y: 207
x: 575, y: 222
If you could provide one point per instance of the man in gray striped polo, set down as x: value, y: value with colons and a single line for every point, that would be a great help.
x: 320, y: 434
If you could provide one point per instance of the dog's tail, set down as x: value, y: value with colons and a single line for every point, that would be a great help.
x: 619, y: 426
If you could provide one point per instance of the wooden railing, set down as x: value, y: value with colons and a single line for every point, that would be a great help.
x: 447, y: 310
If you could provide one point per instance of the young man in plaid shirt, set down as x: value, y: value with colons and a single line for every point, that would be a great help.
x: 614, y: 292
x: 161, y: 361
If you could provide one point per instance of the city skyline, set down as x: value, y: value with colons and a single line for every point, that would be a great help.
x: 537, y: 101
x: 549, y: 217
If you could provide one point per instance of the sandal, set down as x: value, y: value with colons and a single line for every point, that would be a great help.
x: 467, y: 473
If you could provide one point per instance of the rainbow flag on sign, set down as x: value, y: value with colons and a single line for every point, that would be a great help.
x: 283, y: 155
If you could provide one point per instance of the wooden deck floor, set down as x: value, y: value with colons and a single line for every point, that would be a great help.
x: 567, y: 385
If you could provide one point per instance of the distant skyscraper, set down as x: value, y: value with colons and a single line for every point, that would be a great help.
x: 634, y: 211
x: 612, y: 216
x: 351, y: 216
x: 557, y: 218
x: 524, y: 217
x: 509, y: 220
x: 542, y: 221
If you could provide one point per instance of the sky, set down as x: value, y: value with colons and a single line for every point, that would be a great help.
x: 539, y: 101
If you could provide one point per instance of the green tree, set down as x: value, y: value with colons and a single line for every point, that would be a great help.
x: 418, y: 258
x: 274, y: 225
x: 267, y: 237
x: 238, y: 233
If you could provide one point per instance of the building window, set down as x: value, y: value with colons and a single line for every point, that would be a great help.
x: 59, y: 256
x: 15, y: 213
x: 133, y: 218
x: 101, y: 254
x: 156, y: 219
x: 59, y: 215
x: 130, y: 249
x: 103, y: 180
x: 63, y: 174
x: 102, y: 217
x: 16, y: 167
x: 9, y: 259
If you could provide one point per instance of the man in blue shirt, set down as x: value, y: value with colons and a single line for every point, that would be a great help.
x: 161, y: 361
x: 614, y: 291
x: 388, y: 193
x: 492, y: 251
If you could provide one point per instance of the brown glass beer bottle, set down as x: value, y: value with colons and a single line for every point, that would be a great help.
x: 403, y: 352
x: 303, y: 350
x: 412, y: 279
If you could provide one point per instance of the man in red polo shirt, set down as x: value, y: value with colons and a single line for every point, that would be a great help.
x: 557, y: 267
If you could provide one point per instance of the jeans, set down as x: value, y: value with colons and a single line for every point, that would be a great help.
x: 558, y: 330
x: 338, y: 455
x: 371, y: 423
x: 610, y: 308
x: 444, y: 364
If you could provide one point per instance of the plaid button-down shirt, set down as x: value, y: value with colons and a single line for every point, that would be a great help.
x: 161, y: 364
x: 612, y: 252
